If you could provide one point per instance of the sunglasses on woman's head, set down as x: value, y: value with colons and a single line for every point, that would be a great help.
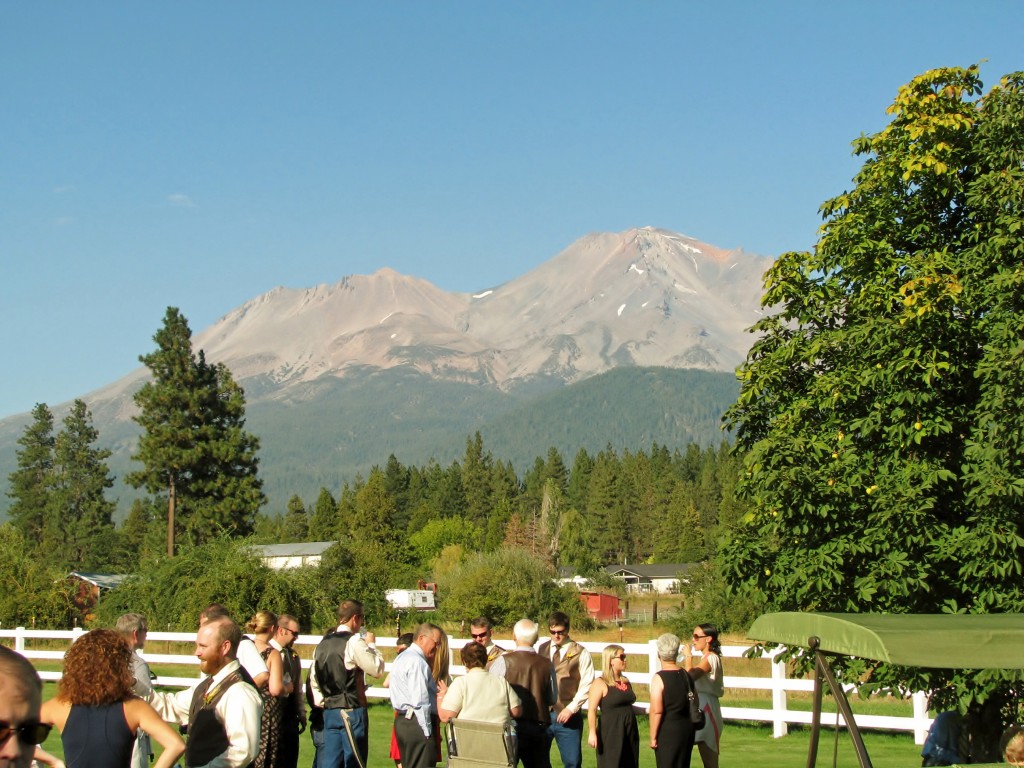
x: 29, y: 734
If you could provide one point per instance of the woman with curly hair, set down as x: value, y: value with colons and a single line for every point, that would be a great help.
x: 96, y: 711
x: 263, y: 625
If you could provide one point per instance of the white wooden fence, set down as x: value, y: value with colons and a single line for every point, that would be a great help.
x: 779, y: 715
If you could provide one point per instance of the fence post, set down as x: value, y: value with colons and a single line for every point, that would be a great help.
x: 19, y: 640
x: 920, y: 700
x: 779, y: 725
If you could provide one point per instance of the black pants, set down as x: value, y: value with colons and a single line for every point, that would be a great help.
x: 534, y: 744
x: 417, y: 750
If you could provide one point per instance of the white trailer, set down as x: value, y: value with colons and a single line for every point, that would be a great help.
x: 410, y: 599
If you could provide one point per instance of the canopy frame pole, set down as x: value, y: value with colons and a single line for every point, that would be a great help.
x: 823, y: 669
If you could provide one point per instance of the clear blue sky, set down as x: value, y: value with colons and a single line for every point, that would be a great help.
x: 197, y: 154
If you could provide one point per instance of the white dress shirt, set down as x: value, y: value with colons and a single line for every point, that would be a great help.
x: 239, y: 710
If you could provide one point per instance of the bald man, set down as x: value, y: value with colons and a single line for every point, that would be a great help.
x: 20, y: 697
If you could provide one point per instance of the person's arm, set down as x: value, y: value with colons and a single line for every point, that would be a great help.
x: 363, y: 653
x: 172, y: 707
x: 597, y: 691
x: 254, y: 664
x: 701, y: 668
x: 275, y: 670
x: 451, y: 702
x: 586, y: 667
x: 657, y: 708
x: 139, y: 714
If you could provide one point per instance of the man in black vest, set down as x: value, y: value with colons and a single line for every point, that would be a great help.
x: 223, y: 711
x: 337, y: 684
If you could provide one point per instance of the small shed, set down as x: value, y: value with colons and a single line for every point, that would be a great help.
x: 296, y: 555
x: 600, y: 605
x: 411, y: 599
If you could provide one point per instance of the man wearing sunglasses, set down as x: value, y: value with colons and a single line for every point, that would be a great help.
x: 293, y: 704
x: 574, y: 674
x: 480, y: 628
x: 20, y: 697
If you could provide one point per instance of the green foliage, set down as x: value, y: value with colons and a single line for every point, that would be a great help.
x: 36, y: 592
x: 76, y: 502
x: 705, y: 597
x: 173, y: 591
x: 194, y: 447
x: 29, y: 483
x: 880, y: 408
x: 505, y: 585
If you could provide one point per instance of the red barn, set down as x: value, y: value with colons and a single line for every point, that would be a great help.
x: 600, y: 606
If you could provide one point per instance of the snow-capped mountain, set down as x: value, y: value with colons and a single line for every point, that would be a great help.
x: 641, y: 297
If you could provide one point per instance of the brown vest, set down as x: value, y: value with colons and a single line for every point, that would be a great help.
x: 493, y: 653
x: 567, y: 670
x: 529, y: 674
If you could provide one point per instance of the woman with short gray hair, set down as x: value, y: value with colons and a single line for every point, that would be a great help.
x: 671, y: 730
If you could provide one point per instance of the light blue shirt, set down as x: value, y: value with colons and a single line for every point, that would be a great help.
x: 412, y: 687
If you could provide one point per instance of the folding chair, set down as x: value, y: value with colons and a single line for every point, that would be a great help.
x: 473, y: 744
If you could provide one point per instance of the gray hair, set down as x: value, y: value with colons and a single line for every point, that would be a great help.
x: 668, y: 647
x: 131, y: 622
x: 525, y: 632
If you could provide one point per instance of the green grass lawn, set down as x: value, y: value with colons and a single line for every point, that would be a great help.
x: 743, y: 745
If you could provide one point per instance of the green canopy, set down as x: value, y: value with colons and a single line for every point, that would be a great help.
x: 960, y: 641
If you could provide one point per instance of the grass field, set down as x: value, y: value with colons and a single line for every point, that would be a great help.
x: 743, y: 745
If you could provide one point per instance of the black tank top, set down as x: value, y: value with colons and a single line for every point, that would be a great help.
x: 97, y: 737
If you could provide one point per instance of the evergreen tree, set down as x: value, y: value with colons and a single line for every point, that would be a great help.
x: 323, y: 526
x: 79, y: 479
x: 476, y: 480
x: 296, y: 521
x: 194, y: 447
x: 29, y: 483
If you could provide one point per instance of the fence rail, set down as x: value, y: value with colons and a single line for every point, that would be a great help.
x: 778, y: 683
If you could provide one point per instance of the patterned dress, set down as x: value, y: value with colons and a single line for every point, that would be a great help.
x: 270, y: 725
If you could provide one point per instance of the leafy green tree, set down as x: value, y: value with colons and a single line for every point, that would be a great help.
x: 194, y: 447
x: 428, y: 542
x: 172, y: 592
x: 505, y: 585
x: 36, y: 591
x: 79, y: 480
x: 880, y: 408
x: 29, y: 483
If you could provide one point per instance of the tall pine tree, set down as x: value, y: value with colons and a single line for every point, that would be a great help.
x: 194, y: 447
x: 29, y: 483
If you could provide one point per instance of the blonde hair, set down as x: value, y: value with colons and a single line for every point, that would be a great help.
x: 609, y: 653
x: 262, y: 623
x: 442, y: 659
x: 1013, y: 752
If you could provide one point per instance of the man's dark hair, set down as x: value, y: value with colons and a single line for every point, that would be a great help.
x: 481, y: 622
x: 557, y: 619
x: 474, y: 655
x: 407, y: 639
x: 348, y: 609
x: 214, y: 611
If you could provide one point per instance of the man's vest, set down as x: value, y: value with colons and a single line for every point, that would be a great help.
x: 567, y: 670
x: 207, y: 737
x: 529, y: 674
x: 494, y: 652
x: 341, y: 687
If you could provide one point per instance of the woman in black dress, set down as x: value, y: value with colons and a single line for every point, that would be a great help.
x: 616, y: 737
x: 671, y: 730
x: 263, y: 625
